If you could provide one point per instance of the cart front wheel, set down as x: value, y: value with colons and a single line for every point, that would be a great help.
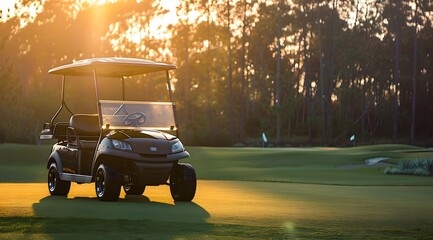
x: 183, y: 182
x: 107, y: 184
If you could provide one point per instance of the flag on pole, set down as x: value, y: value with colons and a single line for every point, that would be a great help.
x: 265, y: 139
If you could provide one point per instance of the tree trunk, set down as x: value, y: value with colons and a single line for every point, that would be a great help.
x: 396, y: 72
x: 321, y: 82
x: 278, y: 79
x: 330, y: 79
x: 363, y: 108
x: 186, y: 89
x: 209, y: 95
x: 243, y: 99
x: 230, y: 77
x: 414, y: 67
x: 307, y: 85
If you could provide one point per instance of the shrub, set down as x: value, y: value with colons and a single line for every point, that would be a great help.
x: 419, y: 167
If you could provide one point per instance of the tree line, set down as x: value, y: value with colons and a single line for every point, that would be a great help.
x: 303, y: 72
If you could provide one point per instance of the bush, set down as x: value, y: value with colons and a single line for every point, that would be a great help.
x: 418, y: 167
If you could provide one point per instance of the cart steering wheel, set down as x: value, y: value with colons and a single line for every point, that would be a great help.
x: 134, y: 119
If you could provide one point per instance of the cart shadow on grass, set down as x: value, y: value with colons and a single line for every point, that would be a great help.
x: 133, y: 215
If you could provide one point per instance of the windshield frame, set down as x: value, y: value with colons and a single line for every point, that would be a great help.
x: 124, y: 104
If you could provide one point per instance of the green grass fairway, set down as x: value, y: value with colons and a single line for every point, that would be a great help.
x: 253, y: 193
x: 25, y: 163
x: 305, y: 165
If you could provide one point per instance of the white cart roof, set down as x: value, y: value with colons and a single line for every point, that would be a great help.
x: 111, y: 67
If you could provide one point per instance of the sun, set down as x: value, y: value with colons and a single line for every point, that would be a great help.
x: 7, y: 9
x: 5, y: 4
x: 158, y: 27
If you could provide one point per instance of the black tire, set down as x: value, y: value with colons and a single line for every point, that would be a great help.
x: 107, y: 184
x: 183, y: 182
x: 134, y: 189
x: 56, y: 186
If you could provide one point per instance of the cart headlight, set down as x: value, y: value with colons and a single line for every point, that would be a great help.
x: 177, y: 147
x: 121, y: 145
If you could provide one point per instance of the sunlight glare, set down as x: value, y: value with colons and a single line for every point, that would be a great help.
x: 7, y: 9
x: 138, y: 31
x: 25, y: 11
x: 158, y: 27
x: 102, y: 2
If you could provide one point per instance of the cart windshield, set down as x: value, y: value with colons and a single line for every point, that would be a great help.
x: 141, y: 115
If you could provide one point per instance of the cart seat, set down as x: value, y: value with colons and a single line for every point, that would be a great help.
x: 84, y: 131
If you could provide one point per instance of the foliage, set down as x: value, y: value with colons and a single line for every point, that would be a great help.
x: 420, y: 167
x: 319, y: 70
x: 16, y: 122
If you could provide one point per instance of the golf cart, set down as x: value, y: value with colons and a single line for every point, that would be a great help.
x: 126, y: 143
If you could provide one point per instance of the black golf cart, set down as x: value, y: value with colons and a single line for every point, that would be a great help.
x: 126, y: 143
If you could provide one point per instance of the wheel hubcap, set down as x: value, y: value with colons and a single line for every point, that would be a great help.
x: 100, y: 183
x: 52, y: 179
x: 176, y: 184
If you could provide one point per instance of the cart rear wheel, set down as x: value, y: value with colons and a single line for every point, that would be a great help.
x: 183, y: 182
x: 133, y: 189
x: 56, y: 186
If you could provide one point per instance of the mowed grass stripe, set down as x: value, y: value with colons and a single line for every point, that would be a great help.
x: 235, y: 202
x: 228, y: 209
x: 48, y: 228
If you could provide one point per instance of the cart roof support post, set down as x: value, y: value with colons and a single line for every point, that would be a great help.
x: 123, y: 88
x: 62, y: 103
x: 171, y: 100
x: 97, y: 96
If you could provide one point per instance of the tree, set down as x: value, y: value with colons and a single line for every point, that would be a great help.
x: 14, y: 124
x: 396, y: 73
x: 414, y: 70
x: 304, y: 72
